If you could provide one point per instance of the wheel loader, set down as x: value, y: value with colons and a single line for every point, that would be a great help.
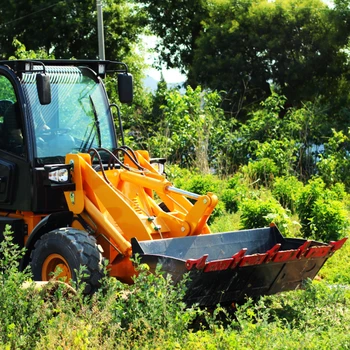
x: 75, y: 195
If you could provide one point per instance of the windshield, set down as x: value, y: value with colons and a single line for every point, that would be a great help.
x: 77, y: 118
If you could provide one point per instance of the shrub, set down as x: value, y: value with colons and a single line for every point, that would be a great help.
x: 261, y: 172
x: 200, y: 184
x: 304, y: 205
x: 287, y: 190
x: 22, y: 312
x: 261, y: 213
x: 329, y: 220
x: 281, y: 152
x: 237, y: 189
x: 322, y: 215
x: 231, y: 200
x: 334, y: 165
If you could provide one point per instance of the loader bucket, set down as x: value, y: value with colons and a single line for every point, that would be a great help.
x: 228, y: 267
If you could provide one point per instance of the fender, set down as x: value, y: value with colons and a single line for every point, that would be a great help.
x: 49, y: 223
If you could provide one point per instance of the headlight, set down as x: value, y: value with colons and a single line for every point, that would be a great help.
x: 59, y: 175
x: 158, y: 164
x: 159, y: 167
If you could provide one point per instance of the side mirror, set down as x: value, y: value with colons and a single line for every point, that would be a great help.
x: 44, y: 88
x: 125, y: 88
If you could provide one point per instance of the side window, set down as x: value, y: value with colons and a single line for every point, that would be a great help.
x: 11, y: 135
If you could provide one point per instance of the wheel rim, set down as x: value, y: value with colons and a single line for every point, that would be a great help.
x: 51, y: 265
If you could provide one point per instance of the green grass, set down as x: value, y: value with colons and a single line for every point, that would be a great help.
x: 337, y: 268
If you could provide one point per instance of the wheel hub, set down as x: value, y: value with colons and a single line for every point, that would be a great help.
x: 56, y: 265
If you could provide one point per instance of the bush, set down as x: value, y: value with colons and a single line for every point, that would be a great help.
x: 334, y: 165
x: 231, y: 200
x: 261, y: 172
x: 22, y: 312
x: 236, y: 191
x: 261, y: 213
x: 329, y: 220
x: 200, y: 184
x: 322, y: 215
x: 287, y: 190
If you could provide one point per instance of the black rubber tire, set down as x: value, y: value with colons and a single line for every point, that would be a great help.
x: 77, y: 248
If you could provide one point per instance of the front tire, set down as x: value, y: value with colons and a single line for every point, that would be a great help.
x: 67, y: 249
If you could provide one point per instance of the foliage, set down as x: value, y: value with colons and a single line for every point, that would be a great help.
x: 22, y: 53
x: 246, y: 47
x: 186, y: 131
x: 237, y: 189
x: 288, y: 138
x: 286, y: 190
x: 261, y: 171
x: 23, y: 313
x: 178, y: 27
x: 69, y: 28
x: 334, y: 162
x: 329, y: 220
x: 261, y: 212
x: 321, y: 212
x: 336, y: 269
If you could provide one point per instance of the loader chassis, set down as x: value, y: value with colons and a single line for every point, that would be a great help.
x: 74, y: 197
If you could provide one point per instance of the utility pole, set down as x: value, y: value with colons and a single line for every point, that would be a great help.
x: 100, y: 33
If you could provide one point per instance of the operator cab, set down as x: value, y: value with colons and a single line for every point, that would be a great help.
x: 49, y: 109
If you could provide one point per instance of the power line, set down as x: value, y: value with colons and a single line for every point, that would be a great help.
x: 30, y: 14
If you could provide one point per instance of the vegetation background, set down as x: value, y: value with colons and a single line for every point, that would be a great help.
x: 263, y: 122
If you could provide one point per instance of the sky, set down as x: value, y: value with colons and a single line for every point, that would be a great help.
x: 170, y: 75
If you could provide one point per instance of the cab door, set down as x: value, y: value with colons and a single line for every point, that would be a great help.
x: 15, y: 182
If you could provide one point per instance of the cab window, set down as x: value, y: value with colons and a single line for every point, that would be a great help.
x: 11, y: 130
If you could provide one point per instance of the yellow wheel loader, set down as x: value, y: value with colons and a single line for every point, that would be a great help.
x: 74, y: 196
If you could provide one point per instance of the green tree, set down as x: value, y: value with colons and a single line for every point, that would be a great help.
x: 69, y: 28
x: 178, y: 25
x: 186, y: 133
x: 244, y: 47
x: 295, y: 45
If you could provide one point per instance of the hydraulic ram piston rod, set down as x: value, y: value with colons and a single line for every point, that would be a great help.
x: 183, y: 192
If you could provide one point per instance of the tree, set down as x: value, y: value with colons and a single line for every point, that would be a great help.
x: 187, y: 133
x: 244, y: 47
x: 295, y: 45
x: 178, y: 25
x: 69, y: 28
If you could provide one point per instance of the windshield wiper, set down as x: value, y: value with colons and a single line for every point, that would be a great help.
x: 88, y: 143
x: 96, y: 123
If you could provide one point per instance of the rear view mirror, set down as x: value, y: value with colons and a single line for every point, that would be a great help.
x: 44, y: 88
x: 125, y: 88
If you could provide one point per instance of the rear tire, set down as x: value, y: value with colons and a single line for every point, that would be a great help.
x: 67, y: 249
